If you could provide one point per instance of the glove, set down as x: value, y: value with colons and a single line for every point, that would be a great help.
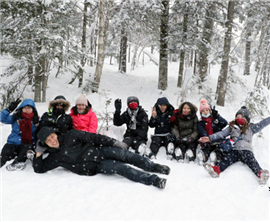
x: 187, y: 139
x: 170, y: 138
x: 120, y: 144
x: 214, y: 111
x: 178, y: 140
x: 13, y: 105
x: 39, y: 148
x: 118, y: 104
x: 205, y: 145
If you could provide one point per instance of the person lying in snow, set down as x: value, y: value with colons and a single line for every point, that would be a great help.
x: 87, y: 153
x: 241, y: 132
x: 23, y: 134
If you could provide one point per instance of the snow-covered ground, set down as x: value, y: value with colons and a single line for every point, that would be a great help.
x: 191, y: 194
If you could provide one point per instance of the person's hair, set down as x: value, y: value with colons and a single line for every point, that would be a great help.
x: 191, y: 106
x: 18, y: 114
x: 242, y: 128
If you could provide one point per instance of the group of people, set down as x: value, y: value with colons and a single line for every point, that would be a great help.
x: 70, y: 140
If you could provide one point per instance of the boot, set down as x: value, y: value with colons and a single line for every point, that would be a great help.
x: 214, y: 171
x: 263, y: 176
x: 201, y: 157
x: 142, y: 149
x: 170, y: 149
x: 16, y: 166
x: 178, y: 155
x: 160, y: 183
x: 158, y: 168
x: 189, y: 155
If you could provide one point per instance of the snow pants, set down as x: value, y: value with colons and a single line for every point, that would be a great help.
x: 157, y: 142
x: 245, y: 156
x: 133, y: 142
x: 11, y: 151
x: 184, y: 146
x: 117, y: 160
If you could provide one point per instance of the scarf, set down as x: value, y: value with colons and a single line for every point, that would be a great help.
x: 177, y: 113
x: 208, y: 125
x: 133, y: 114
x: 26, y: 128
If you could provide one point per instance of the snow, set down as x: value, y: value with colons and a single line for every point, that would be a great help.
x: 191, y: 194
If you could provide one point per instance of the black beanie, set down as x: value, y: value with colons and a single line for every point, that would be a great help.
x: 44, y: 132
x: 132, y: 99
x: 244, y: 112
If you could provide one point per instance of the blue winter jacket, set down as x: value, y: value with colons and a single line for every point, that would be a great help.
x: 15, y: 136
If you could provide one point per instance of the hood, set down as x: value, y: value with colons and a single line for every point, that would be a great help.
x: 27, y: 102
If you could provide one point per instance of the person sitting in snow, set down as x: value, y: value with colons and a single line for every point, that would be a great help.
x: 87, y: 153
x: 23, y: 134
x: 184, y: 127
x: 83, y: 118
x: 56, y: 116
x: 211, y: 122
x: 240, y: 131
x: 136, y: 121
x: 160, y: 120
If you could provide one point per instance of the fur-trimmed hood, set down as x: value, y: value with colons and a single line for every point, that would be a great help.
x: 60, y: 99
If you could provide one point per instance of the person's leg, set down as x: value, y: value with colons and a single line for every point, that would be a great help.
x: 228, y: 160
x: 155, y: 144
x: 128, y: 141
x: 120, y: 168
x: 193, y: 147
x: 247, y: 157
x: 137, y: 160
x: 8, y: 152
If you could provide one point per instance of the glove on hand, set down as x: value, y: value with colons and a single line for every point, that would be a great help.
x: 214, y: 111
x: 39, y: 148
x: 120, y: 144
x: 118, y: 104
x: 13, y: 105
x: 205, y: 145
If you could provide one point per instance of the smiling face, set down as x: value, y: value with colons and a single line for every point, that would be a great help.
x: 186, y: 110
x: 205, y: 111
x: 163, y: 108
x: 27, y: 109
x: 81, y: 108
x: 52, y: 140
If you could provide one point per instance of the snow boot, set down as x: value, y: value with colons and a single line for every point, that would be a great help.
x: 160, y: 183
x: 263, y: 176
x: 189, y: 155
x: 158, y: 168
x: 142, y: 149
x: 201, y: 157
x: 214, y: 171
x: 213, y: 158
x: 170, y: 149
x: 16, y: 166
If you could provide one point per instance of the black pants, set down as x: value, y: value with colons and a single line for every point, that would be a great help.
x: 157, y: 142
x: 117, y: 161
x: 133, y: 142
x: 184, y: 146
x: 245, y: 156
x: 210, y: 148
x: 11, y: 151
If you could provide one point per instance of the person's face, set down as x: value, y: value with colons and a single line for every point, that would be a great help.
x: 27, y: 109
x: 163, y: 108
x: 52, y: 140
x: 81, y: 107
x: 205, y: 111
x: 186, y: 109
x: 59, y: 106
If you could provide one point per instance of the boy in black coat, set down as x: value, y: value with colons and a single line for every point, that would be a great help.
x: 87, y: 153
x: 160, y: 120
x: 136, y: 121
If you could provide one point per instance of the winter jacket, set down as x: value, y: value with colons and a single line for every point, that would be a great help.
x: 15, y: 136
x: 140, y: 133
x: 79, y: 152
x: 162, y: 121
x: 242, y: 141
x: 86, y: 121
x: 218, y: 123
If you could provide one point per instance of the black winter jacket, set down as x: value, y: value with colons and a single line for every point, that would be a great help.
x: 79, y: 152
x: 141, y: 127
x: 162, y: 121
x: 218, y: 124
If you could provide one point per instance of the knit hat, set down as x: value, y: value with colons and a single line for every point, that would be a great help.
x: 132, y: 99
x: 244, y: 112
x: 204, y: 105
x: 82, y: 100
x: 44, y: 132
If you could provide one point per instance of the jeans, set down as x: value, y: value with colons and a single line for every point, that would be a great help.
x: 245, y: 156
x: 116, y: 162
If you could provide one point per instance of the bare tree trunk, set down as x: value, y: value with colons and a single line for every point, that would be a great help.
x: 262, y: 39
x: 182, y: 52
x: 248, y: 47
x: 222, y: 79
x: 206, y: 42
x: 123, y: 51
x: 163, y: 54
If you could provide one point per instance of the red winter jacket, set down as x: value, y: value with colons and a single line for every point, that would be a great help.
x: 85, y: 122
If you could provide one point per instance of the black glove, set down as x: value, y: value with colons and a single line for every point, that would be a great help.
x: 13, y: 105
x: 214, y: 111
x: 178, y: 140
x: 171, y: 138
x: 118, y: 104
x: 205, y: 145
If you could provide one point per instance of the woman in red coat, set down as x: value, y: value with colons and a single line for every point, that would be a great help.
x: 83, y: 118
